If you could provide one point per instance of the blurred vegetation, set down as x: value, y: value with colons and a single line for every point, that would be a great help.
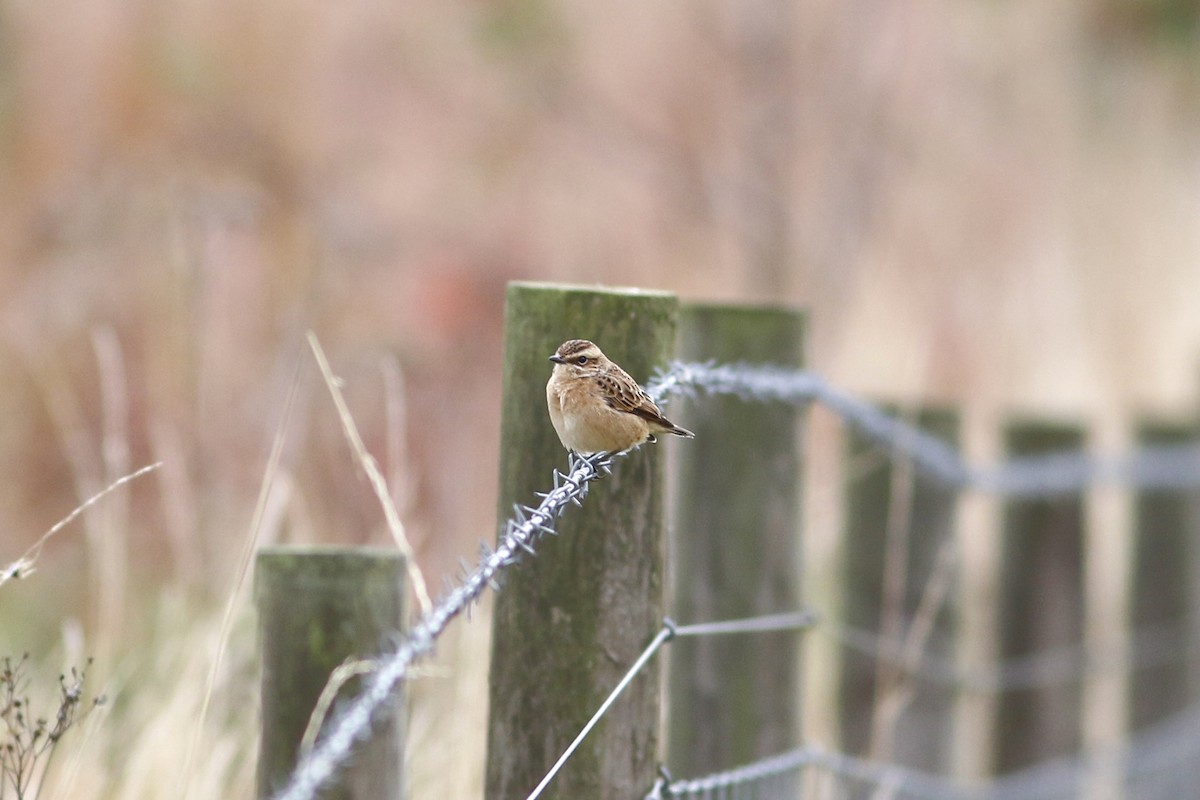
x: 1175, y: 23
x: 976, y: 207
x: 29, y: 739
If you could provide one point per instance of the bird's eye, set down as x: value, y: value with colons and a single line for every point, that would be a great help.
x: 581, y: 360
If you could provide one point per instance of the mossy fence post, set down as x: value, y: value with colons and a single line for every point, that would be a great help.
x: 318, y: 607
x: 1164, y: 598
x: 734, y: 550
x: 569, y: 622
x: 1041, y: 606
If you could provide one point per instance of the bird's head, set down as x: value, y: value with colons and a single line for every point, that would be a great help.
x: 579, y: 356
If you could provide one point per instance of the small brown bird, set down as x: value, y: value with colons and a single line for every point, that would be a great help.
x: 596, y: 407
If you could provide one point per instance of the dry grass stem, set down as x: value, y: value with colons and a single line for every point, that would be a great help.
x: 401, y: 473
x: 108, y: 538
x: 348, y: 669
x: 24, y: 566
x: 898, y: 535
x: 900, y: 693
x: 371, y: 467
x: 260, y: 509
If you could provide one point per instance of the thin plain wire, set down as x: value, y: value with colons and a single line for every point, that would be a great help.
x: 526, y: 527
x: 663, y: 636
x: 792, y: 621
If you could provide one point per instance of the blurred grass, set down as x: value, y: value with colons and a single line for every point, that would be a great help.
x: 984, y: 203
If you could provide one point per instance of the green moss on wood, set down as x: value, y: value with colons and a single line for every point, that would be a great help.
x: 317, y: 607
x: 735, y: 547
x: 1165, y: 555
x: 570, y: 621
x: 1041, y: 604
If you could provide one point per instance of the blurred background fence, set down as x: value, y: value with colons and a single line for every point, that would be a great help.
x: 1061, y: 665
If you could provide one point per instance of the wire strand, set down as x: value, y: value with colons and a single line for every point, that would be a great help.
x: 662, y: 637
x: 908, y: 781
x: 793, y: 621
x: 1050, y: 475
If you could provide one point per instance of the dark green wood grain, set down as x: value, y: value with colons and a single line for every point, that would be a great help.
x: 318, y: 606
x: 571, y: 621
x: 1041, y: 605
x: 734, y: 549
x: 1165, y: 559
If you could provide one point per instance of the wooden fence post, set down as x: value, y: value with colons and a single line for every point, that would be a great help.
x: 1164, y: 597
x: 569, y: 622
x: 898, y: 574
x: 1040, y: 606
x: 734, y: 550
x: 317, y: 607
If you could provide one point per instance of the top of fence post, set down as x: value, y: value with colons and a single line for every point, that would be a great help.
x: 318, y: 606
x: 569, y: 622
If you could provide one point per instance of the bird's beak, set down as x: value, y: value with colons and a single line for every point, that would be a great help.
x: 557, y: 359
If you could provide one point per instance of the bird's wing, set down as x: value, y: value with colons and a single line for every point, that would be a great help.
x: 622, y: 393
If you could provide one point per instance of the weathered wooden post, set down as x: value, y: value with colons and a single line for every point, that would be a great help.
x: 1040, y: 605
x: 318, y: 607
x: 897, y: 582
x: 570, y: 622
x: 734, y: 550
x: 1164, y: 597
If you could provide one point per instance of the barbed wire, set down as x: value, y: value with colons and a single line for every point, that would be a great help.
x: 904, y: 781
x: 1166, y: 467
x: 1053, y: 474
x: 527, y: 526
x: 666, y: 788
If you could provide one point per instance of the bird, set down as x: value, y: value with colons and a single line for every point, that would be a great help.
x: 596, y: 407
